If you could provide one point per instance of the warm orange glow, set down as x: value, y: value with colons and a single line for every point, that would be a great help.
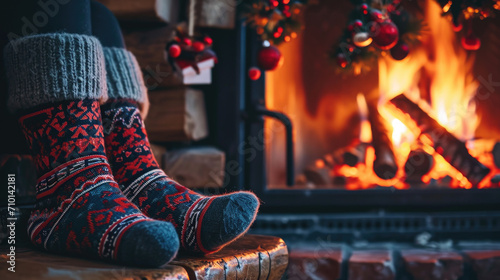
x: 446, y: 71
x: 365, y: 134
x: 437, y: 75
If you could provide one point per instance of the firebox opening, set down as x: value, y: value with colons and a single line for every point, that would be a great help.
x: 424, y: 122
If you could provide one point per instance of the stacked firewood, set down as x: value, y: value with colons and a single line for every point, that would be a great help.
x: 177, y: 114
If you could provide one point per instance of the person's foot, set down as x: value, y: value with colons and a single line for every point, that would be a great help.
x: 205, y: 224
x: 80, y: 210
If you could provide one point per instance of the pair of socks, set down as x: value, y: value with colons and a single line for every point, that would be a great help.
x: 101, y: 193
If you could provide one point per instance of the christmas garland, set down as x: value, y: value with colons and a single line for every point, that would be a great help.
x: 276, y: 21
x: 464, y: 11
x: 375, y: 28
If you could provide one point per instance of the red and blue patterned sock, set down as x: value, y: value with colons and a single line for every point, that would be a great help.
x: 205, y: 224
x: 54, y: 83
x: 80, y: 208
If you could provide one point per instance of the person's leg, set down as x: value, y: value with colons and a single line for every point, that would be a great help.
x: 105, y: 26
x: 55, y: 80
x: 29, y: 17
x: 205, y: 224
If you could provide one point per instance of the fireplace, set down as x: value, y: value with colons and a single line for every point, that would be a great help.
x: 409, y: 143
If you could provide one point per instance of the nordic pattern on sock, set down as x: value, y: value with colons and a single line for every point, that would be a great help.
x: 72, y: 129
x: 80, y: 208
x: 146, y: 185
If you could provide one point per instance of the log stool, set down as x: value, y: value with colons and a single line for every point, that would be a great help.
x: 250, y: 257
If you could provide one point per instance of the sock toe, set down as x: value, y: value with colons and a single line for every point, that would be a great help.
x: 238, y: 213
x: 149, y: 244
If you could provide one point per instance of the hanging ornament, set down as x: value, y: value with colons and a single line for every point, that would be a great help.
x: 457, y: 27
x: 208, y: 40
x: 357, y: 24
x: 342, y: 60
x: 376, y: 15
x: 254, y: 73
x: 362, y: 39
x: 385, y: 35
x: 269, y: 58
x: 190, y: 57
x: 364, y: 8
x: 400, y: 51
x: 471, y: 42
x: 374, y: 28
x: 187, y: 41
x: 174, y: 51
x: 198, y: 46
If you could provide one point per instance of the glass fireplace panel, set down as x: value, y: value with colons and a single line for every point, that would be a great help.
x: 334, y: 127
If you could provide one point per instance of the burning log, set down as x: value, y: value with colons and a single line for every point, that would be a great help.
x: 418, y: 164
x: 384, y: 165
x: 351, y: 155
x: 496, y: 154
x: 318, y: 173
x: 452, y: 149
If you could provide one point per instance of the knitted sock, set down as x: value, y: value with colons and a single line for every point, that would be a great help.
x: 80, y: 210
x: 205, y: 224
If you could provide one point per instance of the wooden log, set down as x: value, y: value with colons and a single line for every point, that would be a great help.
x: 318, y: 175
x: 418, y: 164
x: 351, y: 155
x: 196, y: 167
x: 34, y: 264
x: 148, y: 46
x: 217, y: 13
x: 144, y: 10
x: 446, y: 144
x: 250, y: 257
x: 384, y: 165
x: 176, y: 115
x: 496, y: 154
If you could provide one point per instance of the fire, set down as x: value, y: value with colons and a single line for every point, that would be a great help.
x: 438, y: 77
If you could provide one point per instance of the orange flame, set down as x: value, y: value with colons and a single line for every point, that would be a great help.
x: 439, y: 71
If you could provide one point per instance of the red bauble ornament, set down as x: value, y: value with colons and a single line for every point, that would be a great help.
x: 364, y: 8
x: 362, y: 39
x: 254, y: 73
x: 400, y: 51
x: 376, y: 15
x: 174, y: 51
x: 187, y: 41
x: 269, y: 58
x: 470, y: 42
x: 342, y: 60
x: 208, y: 40
x: 385, y: 35
x: 358, y: 23
x: 355, y: 25
x: 457, y: 27
x: 274, y: 3
x: 198, y: 46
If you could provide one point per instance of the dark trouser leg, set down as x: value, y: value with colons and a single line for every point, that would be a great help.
x: 105, y: 26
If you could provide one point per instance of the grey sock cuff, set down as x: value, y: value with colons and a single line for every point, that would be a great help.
x: 124, y: 75
x: 47, y: 68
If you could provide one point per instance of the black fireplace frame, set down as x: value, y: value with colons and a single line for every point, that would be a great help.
x: 289, y: 199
